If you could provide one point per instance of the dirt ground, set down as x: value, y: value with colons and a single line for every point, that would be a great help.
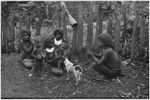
x: 15, y: 83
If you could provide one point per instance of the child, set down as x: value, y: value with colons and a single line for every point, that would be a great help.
x: 27, y: 48
x: 108, y: 62
x: 60, y: 48
x: 38, y: 57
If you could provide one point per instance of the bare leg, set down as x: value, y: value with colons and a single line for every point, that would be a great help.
x: 76, y: 77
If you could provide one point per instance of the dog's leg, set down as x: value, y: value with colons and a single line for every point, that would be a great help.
x: 76, y: 74
x: 67, y: 75
x: 80, y: 76
x: 77, y: 80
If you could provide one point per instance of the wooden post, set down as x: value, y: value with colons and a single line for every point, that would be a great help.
x: 125, y: 24
x: 20, y: 30
x: 109, y: 28
x: 117, y: 33
x: 5, y: 32
x: 75, y: 34
x: 38, y: 28
x: 59, y: 21
x: 99, y: 28
x: 133, y: 44
x: 64, y: 27
x: 142, y: 32
x: 80, y: 26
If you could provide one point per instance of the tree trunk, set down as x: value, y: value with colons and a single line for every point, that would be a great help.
x: 80, y: 26
x: 20, y: 30
x: 109, y: 28
x: 5, y: 33
x: 47, y: 11
x: 75, y: 34
x: 99, y: 28
x: 125, y: 26
x: 60, y: 20
x: 142, y: 32
x: 11, y: 34
x: 117, y: 33
x: 64, y: 27
x: 90, y: 29
x: 133, y: 44
x: 38, y: 28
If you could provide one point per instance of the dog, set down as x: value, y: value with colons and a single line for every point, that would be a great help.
x: 75, y: 69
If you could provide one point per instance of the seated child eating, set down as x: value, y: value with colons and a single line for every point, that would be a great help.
x: 38, y: 55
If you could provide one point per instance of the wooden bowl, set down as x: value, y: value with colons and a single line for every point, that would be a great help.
x: 57, y: 72
x: 28, y: 63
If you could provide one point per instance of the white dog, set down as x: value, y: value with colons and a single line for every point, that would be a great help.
x: 76, y: 70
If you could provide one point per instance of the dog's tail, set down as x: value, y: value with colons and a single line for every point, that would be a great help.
x: 94, y: 79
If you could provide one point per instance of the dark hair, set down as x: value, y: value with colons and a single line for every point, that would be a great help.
x: 25, y: 32
x: 49, y: 43
x: 60, y: 32
x: 38, y: 39
x: 107, y: 40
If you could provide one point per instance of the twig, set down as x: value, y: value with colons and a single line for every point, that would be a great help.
x: 60, y: 94
x: 75, y: 92
x: 107, y: 88
x: 48, y: 90
x: 44, y: 76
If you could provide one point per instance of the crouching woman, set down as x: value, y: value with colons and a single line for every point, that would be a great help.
x: 108, y: 62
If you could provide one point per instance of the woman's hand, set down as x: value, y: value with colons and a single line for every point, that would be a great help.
x: 89, y: 53
x: 43, y: 53
x: 39, y: 56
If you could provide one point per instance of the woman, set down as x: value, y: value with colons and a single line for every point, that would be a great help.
x: 108, y: 62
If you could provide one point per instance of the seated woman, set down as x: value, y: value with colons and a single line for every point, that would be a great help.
x: 108, y: 62
x: 55, y: 48
x: 26, y: 48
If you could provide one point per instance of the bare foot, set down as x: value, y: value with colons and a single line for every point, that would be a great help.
x: 30, y: 75
x: 67, y: 78
x: 76, y: 83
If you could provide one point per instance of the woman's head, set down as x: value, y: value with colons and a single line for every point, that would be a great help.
x: 25, y: 35
x: 105, y: 40
x: 58, y: 34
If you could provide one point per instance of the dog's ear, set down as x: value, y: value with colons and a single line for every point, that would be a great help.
x: 75, y: 61
x: 78, y: 67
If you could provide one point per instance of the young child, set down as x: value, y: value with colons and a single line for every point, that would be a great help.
x: 38, y: 55
x: 108, y: 62
x: 26, y: 48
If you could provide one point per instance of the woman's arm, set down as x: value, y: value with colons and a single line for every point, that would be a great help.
x: 98, y: 55
x: 25, y: 49
x: 103, y: 58
x: 35, y: 54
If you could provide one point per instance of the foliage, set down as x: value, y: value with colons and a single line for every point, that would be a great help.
x: 31, y: 12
